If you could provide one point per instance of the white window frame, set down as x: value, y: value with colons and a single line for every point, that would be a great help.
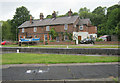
x: 45, y: 36
x: 57, y: 39
x: 24, y: 37
x: 65, y: 37
x: 65, y: 26
x: 50, y: 37
x: 35, y: 35
x: 35, y: 29
x: 47, y: 28
x: 23, y: 30
x: 81, y: 28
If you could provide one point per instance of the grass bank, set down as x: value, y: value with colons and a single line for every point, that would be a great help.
x: 26, y: 58
x: 65, y: 46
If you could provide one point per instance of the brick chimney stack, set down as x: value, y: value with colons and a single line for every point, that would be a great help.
x: 54, y: 14
x: 41, y: 16
x: 70, y: 13
x: 31, y: 19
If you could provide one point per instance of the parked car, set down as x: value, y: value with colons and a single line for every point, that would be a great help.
x: 87, y: 41
x: 3, y: 43
x: 105, y: 38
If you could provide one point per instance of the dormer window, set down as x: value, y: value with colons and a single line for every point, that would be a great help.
x: 22, y: 30
x: 35, y: 29
x: 81, y: 28
x: 47, y: 28
x: 65, y: 27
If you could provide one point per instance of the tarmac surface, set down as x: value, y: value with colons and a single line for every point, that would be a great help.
x: 60, y: 72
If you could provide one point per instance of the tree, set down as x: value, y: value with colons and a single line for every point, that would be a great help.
x: 117, y: 30
x: 53, y: 33
x: 6, y: 31
x: 84, y: 10
x: 49, y: 16
x: 21, y: 15
x: 99, y: 10
x: 99, y: 15
x: 84, y: 13
x: 113, y: 20
x: 110, y: 9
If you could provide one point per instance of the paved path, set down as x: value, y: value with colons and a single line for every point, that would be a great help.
x: 59, y: 72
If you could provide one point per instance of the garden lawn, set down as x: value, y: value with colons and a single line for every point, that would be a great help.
x: 25, y: 58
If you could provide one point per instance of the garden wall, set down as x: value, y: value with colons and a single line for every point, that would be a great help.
x: 108, y: 42
x: 58, y: 43
x: 99, y: 51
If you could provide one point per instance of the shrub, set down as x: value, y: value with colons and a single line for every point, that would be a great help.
x: 52, y: 40
x: 41, y: 41
x: 99, y: 39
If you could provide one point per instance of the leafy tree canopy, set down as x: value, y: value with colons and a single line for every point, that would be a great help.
x: 21, y: 15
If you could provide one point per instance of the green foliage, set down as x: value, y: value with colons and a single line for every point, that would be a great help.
x: 53, y: 33
x: 6, y: 31
x: 70, y: 36
x: 97, y: 39
x: 21, y: 15
x: 49, y: 16
x: 117, y: 30
x: 41, y: 41
x: 99, y: 10
x: 113, y: 20
x: 84, y: 10
x: 84, y: 13
x: 25, y: 58
x: 1, y: 31
x: 52, y: 40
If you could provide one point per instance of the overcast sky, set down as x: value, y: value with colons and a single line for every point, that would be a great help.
x: 8, y: 7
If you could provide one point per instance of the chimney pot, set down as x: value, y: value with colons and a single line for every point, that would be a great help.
x: 70, y: 13
x: 41, y: 16
x: 31, y: 19
x: 54, y: 14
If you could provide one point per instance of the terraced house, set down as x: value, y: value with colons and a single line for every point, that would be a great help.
x: 79, y: 28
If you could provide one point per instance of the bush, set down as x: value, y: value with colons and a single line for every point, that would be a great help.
x: 99, y: 39
x: 46, y: 43
x: 41, y: 41
x: 52, y: 40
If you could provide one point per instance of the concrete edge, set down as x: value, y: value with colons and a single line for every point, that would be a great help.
x: 98, y: 79
x: 71, y: 64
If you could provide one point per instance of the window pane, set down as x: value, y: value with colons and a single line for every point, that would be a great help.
x: 47, y: 28
x: 81, y: 27
x: 22, y: 30
x: 35, y: 29
x: 65, y: 26
x: 45, y: 37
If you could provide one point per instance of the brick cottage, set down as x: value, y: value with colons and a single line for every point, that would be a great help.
x: 81, y: 28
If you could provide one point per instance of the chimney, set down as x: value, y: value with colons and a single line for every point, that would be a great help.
x: 54, y: 14
x: 41, y: 16
x: 31, y: 19
x: 70, y: 13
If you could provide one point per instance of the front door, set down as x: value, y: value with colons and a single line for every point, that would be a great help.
x: 79, y: 37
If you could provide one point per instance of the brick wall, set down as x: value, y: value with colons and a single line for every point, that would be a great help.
x: 41, y: 31
x: 58, y: 43
x: 89, y: 29
x: 62, y: 43
x: 107, y: 42
x: 100, y: 51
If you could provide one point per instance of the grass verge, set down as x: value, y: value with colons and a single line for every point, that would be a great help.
x: 65, y: 46
x: 26, y: 58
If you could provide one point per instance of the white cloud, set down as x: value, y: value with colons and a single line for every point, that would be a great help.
x: 8, y: 7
